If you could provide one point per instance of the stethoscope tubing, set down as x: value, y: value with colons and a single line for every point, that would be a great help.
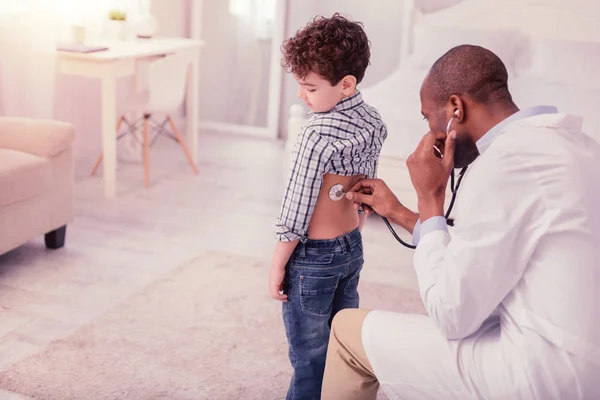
x: 452, y: 188
x: 454, y: 191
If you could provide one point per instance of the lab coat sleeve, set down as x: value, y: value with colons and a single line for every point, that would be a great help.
x: 432, y: 224
x: 416, y: 233
x: 464, y: 273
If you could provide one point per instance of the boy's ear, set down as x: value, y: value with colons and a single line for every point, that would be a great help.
x: 349, y: 84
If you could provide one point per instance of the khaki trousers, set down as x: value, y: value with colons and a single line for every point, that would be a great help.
x: 348, y: 373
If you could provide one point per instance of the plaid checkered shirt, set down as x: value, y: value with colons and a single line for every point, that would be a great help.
x: 345, y: 141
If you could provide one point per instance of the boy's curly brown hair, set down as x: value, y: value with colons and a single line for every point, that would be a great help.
x: 331, y: 47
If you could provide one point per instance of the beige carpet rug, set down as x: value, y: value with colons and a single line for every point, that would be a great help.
x: 207, y: 330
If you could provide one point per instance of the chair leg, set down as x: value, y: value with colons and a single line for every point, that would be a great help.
x: 101, y: 154
x: 182, y: 144
x: 146, y: 152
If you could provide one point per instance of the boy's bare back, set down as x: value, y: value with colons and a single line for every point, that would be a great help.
x: 332, y: 219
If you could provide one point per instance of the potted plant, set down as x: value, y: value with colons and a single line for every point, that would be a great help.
x: 117, y: 24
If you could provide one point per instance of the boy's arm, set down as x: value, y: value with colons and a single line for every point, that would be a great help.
x: 310, y: 162
x: 283, y: 252
x: 311, y: 159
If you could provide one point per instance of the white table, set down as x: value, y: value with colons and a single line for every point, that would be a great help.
x: 120, y: 60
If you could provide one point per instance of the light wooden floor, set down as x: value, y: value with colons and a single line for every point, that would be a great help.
x: 115, y: 248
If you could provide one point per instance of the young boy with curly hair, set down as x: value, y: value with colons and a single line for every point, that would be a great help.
x: 319, y: 253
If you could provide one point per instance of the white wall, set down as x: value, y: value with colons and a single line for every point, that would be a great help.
x: 381, y: 24
x: 79, y: 98
x: 381, y: 21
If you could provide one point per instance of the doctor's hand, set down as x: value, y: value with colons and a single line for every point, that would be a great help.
x: 375, y: 196
x: 429, y: 174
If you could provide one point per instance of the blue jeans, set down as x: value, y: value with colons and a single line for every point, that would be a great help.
x: 321, y: 279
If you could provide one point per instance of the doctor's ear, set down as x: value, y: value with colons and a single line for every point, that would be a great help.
x: 457, y: 107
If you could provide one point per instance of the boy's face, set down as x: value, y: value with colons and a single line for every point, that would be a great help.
x: 319, y: 95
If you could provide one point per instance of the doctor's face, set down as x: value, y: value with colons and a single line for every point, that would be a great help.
x: 437, y: 117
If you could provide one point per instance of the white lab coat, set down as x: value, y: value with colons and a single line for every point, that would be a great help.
x: 513, y: 290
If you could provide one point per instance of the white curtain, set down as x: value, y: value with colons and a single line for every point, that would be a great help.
x: 256, y: 15
x: 29, y: 33
x: 235, y: 66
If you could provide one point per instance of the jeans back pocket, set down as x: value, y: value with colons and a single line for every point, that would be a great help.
x: 317, y: 293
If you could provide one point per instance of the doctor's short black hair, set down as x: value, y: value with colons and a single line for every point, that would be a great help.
x: 330, y: 47
x: 469, y: 70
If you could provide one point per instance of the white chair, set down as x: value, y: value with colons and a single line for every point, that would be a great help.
x: 166, y: 84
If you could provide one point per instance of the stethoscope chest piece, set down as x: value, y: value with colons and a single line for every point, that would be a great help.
x: 336, y: 193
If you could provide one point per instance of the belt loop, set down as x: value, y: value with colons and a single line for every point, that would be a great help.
x: 347, y: 244
x: 302, y: 245
x: 341, y: 244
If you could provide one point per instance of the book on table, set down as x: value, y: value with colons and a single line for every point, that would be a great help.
x: 80, y: 48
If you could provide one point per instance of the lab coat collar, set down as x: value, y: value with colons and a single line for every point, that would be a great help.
x: 486, y: 140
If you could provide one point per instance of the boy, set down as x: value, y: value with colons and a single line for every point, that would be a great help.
x: 319, y: 253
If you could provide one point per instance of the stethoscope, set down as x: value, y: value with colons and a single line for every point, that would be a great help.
x: 337, y: 193
x: 449, y: 221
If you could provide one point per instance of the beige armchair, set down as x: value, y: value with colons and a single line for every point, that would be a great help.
x: 36, y: 181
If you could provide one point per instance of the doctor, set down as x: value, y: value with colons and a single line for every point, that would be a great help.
x: 512, y: 290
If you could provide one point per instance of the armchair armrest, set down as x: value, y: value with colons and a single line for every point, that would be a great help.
x: 40, y: 137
